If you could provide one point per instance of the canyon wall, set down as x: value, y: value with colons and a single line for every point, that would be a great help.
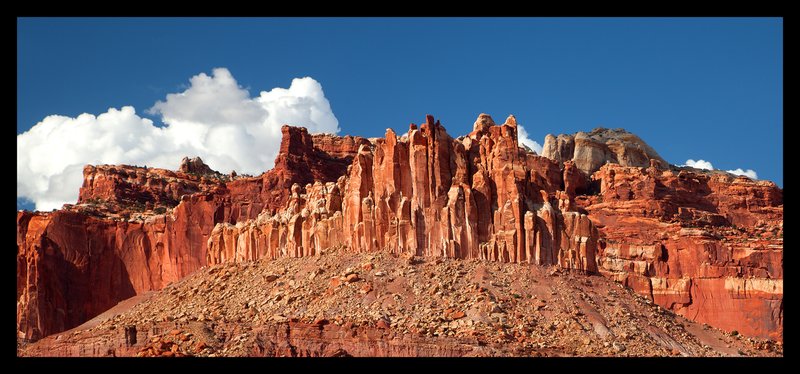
x: 706, y: 245
x: 427, y: 194
x: 137, y: 229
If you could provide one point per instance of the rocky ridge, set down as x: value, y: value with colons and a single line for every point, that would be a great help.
x: 594, y: 149
x: 705, y: 245
x: 427, y: 194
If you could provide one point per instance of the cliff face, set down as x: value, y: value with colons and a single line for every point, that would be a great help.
x: 708, y: 246
x: 75, y: 263
x: 592, y: 150
x: 120, y: 187
x: 71, y: 266
x: 427, y: 194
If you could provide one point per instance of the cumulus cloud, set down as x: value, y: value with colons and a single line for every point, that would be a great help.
x: 523, y: 138
x: 702, y: 164
x: 214, y: 118
x: 750, y: 173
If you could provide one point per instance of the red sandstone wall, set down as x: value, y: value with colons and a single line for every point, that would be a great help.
x: 668, y: 235
x: 706, y: 246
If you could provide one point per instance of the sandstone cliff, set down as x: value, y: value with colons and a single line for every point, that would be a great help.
x: 425, y: 193
x: 706, y: 245
x: 138, y: 229
x: 592, y: 150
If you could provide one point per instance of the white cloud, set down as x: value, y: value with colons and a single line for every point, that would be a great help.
x: 522, y: 136
x: 702, y: 164
x: 699, y: 164
x: 750, y: 173
x: 214, y: 118
x: 214, y: 100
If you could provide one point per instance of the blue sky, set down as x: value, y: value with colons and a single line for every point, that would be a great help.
x: 692, y: 88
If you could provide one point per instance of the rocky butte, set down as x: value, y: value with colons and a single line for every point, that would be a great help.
x: 707, y: 246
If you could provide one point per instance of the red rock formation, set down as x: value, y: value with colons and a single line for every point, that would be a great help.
x: 310, y: 224
x: 72, y: 266
x: 75, y: 263
x: 427, y: 194
x: 304, y: 159
x: 707, y: 245
x: 127, y: 185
